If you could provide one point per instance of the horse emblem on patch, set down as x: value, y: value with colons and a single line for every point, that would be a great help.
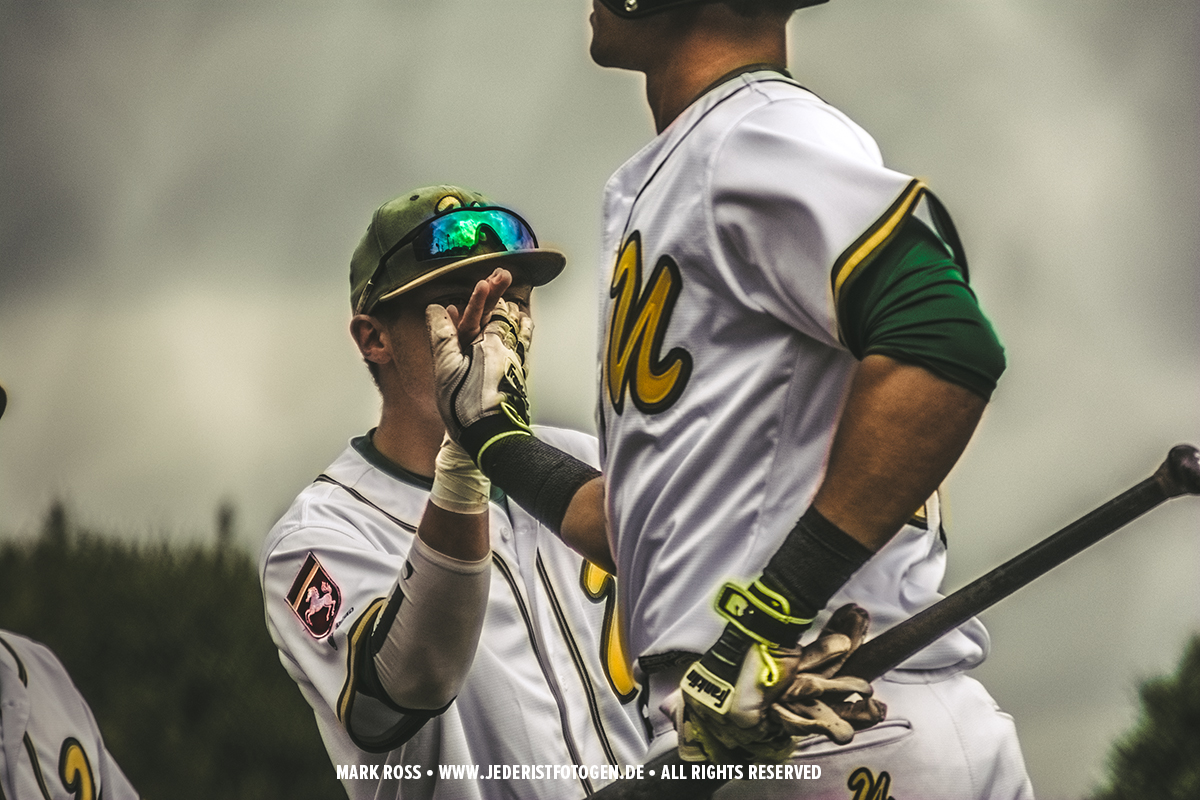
x: 315, y: 598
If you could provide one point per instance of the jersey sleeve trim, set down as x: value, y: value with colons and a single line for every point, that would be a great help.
x: 874, y: 239
x: 410, y: 721
x: 917, y: 200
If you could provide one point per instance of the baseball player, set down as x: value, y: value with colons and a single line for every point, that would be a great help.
x: 50, y: 745
x: 792, y: 361
x: 450, y: 646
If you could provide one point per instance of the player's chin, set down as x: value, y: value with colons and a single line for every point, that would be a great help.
x: 605, y: 55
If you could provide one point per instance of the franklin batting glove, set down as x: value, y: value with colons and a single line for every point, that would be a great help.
x: 726, y: 694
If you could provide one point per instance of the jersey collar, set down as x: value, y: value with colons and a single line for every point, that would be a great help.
x: 728, y: 76
x: 365, y: 447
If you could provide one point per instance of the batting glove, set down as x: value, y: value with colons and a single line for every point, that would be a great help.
x: 481, y: 393
x: 725, y: 695
x: 818, y: 701
x: 749, y: 696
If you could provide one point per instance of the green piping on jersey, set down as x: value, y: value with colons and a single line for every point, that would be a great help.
x: 21, y: 674
x: 577, y: 659
x: 36, y: 765
x: 526, y: 617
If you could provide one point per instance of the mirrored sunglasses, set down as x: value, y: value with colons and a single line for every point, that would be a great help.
x: 461, y: 233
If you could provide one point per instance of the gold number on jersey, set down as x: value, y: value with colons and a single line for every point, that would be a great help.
x: 636, y: 331
x: 599, y: 586
x: 75, y: 771
x: 868, y: 787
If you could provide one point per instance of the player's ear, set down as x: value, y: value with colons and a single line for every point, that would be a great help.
x: 372, y: 338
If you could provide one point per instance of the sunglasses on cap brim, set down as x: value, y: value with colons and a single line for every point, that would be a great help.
x: 461, y: 233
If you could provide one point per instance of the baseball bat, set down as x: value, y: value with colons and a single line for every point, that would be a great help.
x: 1179, y: 474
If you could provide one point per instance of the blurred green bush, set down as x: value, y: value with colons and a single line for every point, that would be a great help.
x: 1159, y: 759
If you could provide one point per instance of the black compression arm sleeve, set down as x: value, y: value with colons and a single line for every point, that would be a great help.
x: 542, y: 479
x: 814, y: 561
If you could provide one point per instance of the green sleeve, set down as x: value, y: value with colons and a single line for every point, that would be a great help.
x: 912, y: 303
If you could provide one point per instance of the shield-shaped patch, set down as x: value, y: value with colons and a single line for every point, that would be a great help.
x: 315, y: 598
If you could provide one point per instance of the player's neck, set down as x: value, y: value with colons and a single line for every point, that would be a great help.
x: 408, y: 440
x: 676, y: 81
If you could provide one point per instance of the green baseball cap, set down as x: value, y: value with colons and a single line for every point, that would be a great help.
x: 433, y: 231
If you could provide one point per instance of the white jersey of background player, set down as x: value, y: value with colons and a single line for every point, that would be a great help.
x: 50, y: 745
x: 344, y: 565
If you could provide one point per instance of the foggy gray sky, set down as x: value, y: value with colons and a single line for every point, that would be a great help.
x: 182, y: 184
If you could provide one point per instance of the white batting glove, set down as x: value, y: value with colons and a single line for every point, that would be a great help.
x: 481, y: 393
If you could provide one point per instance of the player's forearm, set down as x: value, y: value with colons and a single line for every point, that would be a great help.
x: 455, y: 522
x: 901, y: 431
x: 560, y: 491
x: 585, y: 527
x: 461, y: 536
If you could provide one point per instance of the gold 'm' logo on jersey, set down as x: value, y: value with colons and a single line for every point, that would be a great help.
x: 868, y: 786
x: 636, y: 330
x: 75, y: 770
x: 599, y: 586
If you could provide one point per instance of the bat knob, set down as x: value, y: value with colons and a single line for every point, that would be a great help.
x: 1180, y: 473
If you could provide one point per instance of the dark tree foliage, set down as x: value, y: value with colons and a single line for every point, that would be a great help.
x: 1160, y: 757
x: 169, y: 647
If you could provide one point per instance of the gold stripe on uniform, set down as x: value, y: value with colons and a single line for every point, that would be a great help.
x: 307, y: 582
x: 362, y: 627
x: 870, y: 241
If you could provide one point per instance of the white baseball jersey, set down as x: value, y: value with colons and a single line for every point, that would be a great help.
x: 722, y: 370
x: 50, y: 746
x: 540, y: 692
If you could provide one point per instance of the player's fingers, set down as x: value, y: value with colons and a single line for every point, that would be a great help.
x: 443, y: 335
x: 503, y: 323
x: 812, y: 717
x: 828, y: 647
x: 851, y: 620
x: 806, y: 685
x: 862, y: 713
x: 525, y: 335
x: 470, y: 322
x: 491, y: 289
